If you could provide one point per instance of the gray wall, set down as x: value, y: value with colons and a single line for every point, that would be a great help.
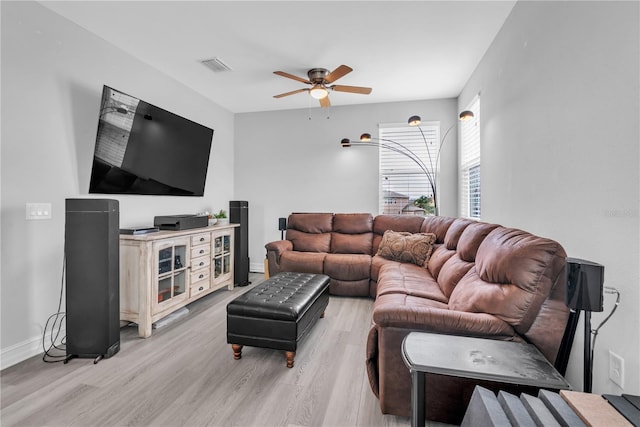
x: 560, y: 135
x: 52, y: 77
x: 292, y: 161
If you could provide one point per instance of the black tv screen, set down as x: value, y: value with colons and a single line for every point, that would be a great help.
x: 143, y: 149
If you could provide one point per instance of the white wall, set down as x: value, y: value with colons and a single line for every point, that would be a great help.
x: 560, y: 135
x: 52, y: 77
x: 286, y: 162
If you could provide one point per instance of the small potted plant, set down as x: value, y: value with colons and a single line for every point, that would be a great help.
x: 212, y: 219
x: 221, y: 217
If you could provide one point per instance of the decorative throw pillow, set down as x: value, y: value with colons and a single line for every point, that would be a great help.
x: 403, y: 246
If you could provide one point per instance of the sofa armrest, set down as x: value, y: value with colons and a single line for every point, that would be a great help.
x: 444, y: 321
x: 274, y: 251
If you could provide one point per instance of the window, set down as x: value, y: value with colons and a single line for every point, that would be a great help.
x: 404, y: 185
x: 469, y: 173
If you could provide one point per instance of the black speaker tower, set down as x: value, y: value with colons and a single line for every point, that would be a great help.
x: 282, y: 226
x: 585, y: 291
x: 92, y: 252
x: 239, y: 214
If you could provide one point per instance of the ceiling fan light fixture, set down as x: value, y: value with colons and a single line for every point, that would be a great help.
x: 318, y: 92
x: 365, y: 137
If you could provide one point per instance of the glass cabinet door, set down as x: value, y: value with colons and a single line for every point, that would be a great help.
x: 222, y: 257
x: 171, y: 265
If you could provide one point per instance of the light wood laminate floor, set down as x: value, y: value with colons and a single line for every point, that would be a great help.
x: 185, y: 375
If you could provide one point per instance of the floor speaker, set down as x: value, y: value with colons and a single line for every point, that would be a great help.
x: 239, y: 214
x: 92, y: 252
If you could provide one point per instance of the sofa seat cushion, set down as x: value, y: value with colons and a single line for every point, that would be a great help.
x: 376, y: 264
x: 416, y: 313
x: 347, y: 266
x: 302, y: 262
x: 349, y: 288
x: 408, y: 279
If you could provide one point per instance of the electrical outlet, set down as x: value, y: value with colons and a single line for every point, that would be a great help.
x: 38, y: 211
x: 616, y: 369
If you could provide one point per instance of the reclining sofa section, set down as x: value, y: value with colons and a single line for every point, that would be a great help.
x: 481, y: 280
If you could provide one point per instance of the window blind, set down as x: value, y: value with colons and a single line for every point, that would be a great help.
x: 403, y: 181
x: 469, y: 171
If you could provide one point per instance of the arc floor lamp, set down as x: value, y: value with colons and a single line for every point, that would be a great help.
x: 427, y: 166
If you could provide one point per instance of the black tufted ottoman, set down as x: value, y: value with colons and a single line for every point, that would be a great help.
x: 277, y: 313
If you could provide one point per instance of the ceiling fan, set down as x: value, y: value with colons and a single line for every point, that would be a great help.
x: 321, y: 81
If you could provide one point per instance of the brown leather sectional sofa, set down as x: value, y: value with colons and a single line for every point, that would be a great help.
x: 480, y: 280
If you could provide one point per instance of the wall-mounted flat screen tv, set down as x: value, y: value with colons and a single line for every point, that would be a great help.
x: 143, y: 149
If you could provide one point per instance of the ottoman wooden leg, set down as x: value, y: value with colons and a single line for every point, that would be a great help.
x: 237, y: 351
x: 322, y: 315
x: 290, y: 355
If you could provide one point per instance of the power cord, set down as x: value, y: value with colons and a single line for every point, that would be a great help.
x: 56, y: 321
x: 594, y: 332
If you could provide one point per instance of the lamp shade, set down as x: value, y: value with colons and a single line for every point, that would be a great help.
x: 414, y: 120
x: 466, y: 115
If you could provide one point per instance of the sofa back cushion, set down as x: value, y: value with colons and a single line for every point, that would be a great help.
x: 437, y: 225
x: 352, y: 233
x: 462, y: 260
x: 310, y: 232
x: 471, y: 238
x: 382, y: 223
x: 439, y: 257
x: 513, y: 275
x: 455, y: 231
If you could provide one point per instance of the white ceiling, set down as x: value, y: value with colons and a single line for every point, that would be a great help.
x: 404, y: 50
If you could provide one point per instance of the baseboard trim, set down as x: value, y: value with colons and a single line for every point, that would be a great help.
x: 24, y: 350
x: 19, y: 352
x: 256, y: 267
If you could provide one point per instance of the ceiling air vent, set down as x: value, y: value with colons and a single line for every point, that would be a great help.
x: 216, y: 65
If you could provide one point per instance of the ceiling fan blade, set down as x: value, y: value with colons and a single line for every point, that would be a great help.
x: 341, y: 71
x: 324, y: 102
x: 352, y: 89
x: 291, y: 76
x: 293, y: 92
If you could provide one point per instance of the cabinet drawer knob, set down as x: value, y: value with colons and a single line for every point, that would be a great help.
x: 201, y: 251
x: 201, y: 288
x: 201, y: 263
x: 201, y: 276
x: 202, y: 239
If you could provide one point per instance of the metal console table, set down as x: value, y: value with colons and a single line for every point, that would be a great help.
x: 477, y: 358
